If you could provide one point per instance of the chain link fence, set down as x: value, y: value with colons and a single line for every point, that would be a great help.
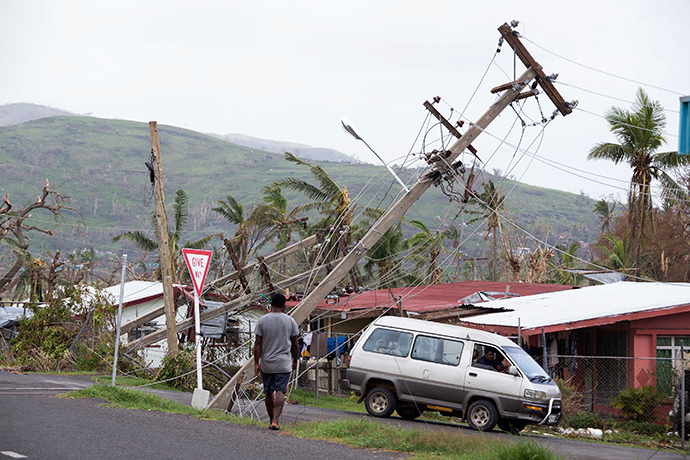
x: 602, y: 390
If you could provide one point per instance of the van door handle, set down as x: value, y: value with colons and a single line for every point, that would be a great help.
x: 472, y: 374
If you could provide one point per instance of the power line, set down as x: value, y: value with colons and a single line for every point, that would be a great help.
x: 602, y: 71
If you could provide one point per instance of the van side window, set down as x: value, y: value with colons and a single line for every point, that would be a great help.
x: 437, y: 350
x: 488, y: 357
x: 389, y: 342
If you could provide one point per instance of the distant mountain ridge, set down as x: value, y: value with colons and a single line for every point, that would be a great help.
x: 17, y: 113
x: 21, y: 112
x: 299, y: 150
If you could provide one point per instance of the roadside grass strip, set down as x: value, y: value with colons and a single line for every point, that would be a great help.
x: 362, y: 433
x: 444, y: 444
x: 126, y: 398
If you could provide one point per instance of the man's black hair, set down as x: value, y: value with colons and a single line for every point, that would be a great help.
x: 491, y: 349
x: 278, y: 300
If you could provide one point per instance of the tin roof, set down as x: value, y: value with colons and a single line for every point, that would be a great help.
x: 606, y: 304
x: 436, y: 297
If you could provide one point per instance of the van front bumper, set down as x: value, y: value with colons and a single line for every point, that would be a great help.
x: 542, y: 413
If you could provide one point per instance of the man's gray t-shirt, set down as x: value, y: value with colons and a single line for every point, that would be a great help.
x: 276, y: 330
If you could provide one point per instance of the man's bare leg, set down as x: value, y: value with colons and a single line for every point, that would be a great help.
x: 270, y: 407
x: 278, y: 403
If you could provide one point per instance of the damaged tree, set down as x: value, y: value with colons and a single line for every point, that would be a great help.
x: 14, y: 229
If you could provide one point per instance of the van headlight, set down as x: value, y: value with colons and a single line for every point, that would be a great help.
x: 534, y: 394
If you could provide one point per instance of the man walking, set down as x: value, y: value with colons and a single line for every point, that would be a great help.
x: 275, y: 355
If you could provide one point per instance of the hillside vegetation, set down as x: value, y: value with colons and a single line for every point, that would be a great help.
x: 99, y: 163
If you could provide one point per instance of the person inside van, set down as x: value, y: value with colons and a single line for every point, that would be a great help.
x: 489, y: 359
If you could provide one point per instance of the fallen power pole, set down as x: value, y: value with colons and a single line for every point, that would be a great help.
x: 443, y: 168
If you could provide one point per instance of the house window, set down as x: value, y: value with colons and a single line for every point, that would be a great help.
x: 668, y: 361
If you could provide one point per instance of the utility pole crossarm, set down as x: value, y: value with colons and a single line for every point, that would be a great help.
x: 527, y: 59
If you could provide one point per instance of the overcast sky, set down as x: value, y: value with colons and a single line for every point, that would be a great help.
x: 290, y: 70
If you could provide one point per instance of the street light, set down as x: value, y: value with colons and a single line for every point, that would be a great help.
x: 350, y: 128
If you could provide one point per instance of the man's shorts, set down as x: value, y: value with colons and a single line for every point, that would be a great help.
x: 275, y: 382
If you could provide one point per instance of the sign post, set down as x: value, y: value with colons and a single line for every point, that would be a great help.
x: 198, y: 262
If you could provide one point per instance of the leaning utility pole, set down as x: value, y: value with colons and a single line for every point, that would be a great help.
x: 443, y: 167
x: 163, y: 243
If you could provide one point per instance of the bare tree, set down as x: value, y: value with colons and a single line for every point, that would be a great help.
x: 14, y: 229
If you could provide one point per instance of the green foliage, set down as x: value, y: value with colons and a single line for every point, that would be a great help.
x: 643, y: 428
x: 583, y: 419
x: 637, y: 404
x: 524, y: 451
x: 178, y: 371
x: 70, y: 332
x: 130, y: 399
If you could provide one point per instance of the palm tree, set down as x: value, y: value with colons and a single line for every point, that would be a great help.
x: 252, y: 229
x: 427, y: 247
x: 180, y: 216
x: 327, y: 197
x: 605, y: 213
x: 616, y: 251
x: 384, y: 256
x: 490, y: 201
x: 568, y: 261
x: 640, y: 134
x: 284, y: 221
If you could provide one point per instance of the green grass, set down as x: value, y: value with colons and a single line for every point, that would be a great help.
x: 363, y: 433
x: 308, y: 398
x: 445, y: 444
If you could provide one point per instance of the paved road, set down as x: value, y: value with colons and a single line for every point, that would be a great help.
x: 37, y: 425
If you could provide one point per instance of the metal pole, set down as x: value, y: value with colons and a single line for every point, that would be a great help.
x: 317, y: 367
x: 519, y: 334
x: 682, y: 395
x: 545, y: 364
x: 197, y: 338
x: 119, y: 316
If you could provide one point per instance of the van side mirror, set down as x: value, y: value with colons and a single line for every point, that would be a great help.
x: 512, y: 370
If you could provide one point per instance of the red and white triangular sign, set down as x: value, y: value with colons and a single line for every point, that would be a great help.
x: 198, y: 262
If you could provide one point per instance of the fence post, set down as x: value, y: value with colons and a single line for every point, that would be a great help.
x: 682, y: 395
x: 119, y: 315
x: 316, y: 384
x: 545, y: 363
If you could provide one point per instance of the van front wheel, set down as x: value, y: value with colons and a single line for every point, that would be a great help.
x: 482, y: 415
x: 380, y: 402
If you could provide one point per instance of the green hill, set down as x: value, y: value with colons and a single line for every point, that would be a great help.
x: 99, y: 163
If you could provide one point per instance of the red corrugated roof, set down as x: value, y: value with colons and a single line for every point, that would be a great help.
x: 435, y: 297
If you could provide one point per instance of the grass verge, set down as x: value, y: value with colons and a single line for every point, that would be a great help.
x: 363, y: 433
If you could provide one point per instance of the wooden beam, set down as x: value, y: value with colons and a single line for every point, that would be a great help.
x: 453, y: 130
x: 529, y: 61
x: 230, y: 306
x: 307, y: 242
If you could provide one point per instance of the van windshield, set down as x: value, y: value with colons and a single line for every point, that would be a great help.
x: 532, y: 370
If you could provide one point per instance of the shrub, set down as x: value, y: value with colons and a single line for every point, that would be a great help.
x: 645, y: 428
x: 178, y: 371
x: 583, y: 419
x: 637, y: 403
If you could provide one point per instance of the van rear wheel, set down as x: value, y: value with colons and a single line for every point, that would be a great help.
x: 512, y: 426
x: 380, y: 402
x: 408, y: 412
x: 482, y: 415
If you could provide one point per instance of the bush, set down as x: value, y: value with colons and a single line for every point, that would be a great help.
x: 179, y: 371
x: 637, y: 403
x: 583, y: 419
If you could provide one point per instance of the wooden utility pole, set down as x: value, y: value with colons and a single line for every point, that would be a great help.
x: 163, y: 243
x: 443, y: 168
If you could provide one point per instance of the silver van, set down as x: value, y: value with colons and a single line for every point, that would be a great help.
x: 410, y: 366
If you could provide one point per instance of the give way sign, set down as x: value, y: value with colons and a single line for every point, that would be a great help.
x: 198, y: 262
